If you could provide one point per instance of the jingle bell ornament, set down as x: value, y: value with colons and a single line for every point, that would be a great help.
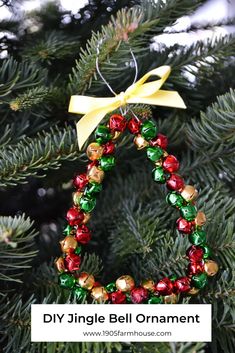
x: 200, y: 219
x: 66, y: 280
x: 211, y: 268
x: 83, y: 234
x: 86, y: 219
x: 189, y: 193
x: 140, y: 142
x: 60, y: 264
x: 155, y: 300
x: 159, y: 175
x: 195, y: 253
x: 77, y: 197
x: 118, y: 297
x: 102, y: 134
x: 175, y: 183
x: 199, y: 281
x: 148, y: 284
x: 198, y: 237
x: 171, y: 299
x: 182, y: 285
x: 86, y: 280
x: 95, y: 174
x: 160, y: 140
x: 171, y: 164
x: 80, y: 294
x: 139, y: 295
x: 99, y: 294
x: 164, y: 286
x: 188, y: 212
x: 72, y: 262
x: 109, y: 148
x: 125, y: 283
x: 184, y: 226
x: 148, y: 129
x: 80, y: 181
x: 195, y: 268
x: 94, y: 151
x: 134, y: 126
x: 68, y: 244
x: 117, y: 123
x: 74, y: 216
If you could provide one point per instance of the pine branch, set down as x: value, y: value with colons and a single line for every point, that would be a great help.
x: 16, y: 247
x: 55, y: 46
x: 132, y: 27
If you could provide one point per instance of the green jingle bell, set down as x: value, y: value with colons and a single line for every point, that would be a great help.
x: 188, y: 212
x: 111, y: 287
x: 155, y: 300
x: 107, y: 163
x: 148, y: 130
x: 80, y: 294
x: 174, y: 199
x: 87, y: 204
x: 198, y: 237
x: 92, y: 188
x: 207, y: 251
x: 67, y: 230
x: 102, y: 134
x: 159, y: 175
x: 154, y: 153
x: 66, y: 280
x: 200, y: 281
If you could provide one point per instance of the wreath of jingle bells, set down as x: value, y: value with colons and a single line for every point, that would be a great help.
x: 180, y: 196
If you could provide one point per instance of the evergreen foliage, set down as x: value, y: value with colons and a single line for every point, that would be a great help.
x: 132, y: 225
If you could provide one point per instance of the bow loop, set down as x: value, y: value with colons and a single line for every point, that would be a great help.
x: 140, y: 92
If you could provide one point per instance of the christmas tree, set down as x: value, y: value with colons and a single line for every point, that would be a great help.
x: 50, y: 54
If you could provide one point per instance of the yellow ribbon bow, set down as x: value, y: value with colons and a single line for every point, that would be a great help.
x: 140, y: 92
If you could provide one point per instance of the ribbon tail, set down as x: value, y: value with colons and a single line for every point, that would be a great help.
x: 161, y: 98
x: 87, y: 124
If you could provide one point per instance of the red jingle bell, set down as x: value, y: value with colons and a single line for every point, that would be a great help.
x: 182, y: 285
x: 164, y: 286
x: 171, y: 164
x: 139, y: 295
x: 175, y: 182
x: 117, y: 123
x: 92, y: 164
x: 74, y: 216
x: 134, y: 126
x: 184, y: 226
x: 80, y: 181
x: 195, y: 253
x: 83, y: 234
x: 160, y: 140
x: 194, y: 268
x: 72, y: 262
x: 118, y: 297
x: 109, y: 148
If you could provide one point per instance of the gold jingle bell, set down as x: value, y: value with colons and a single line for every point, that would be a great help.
x: 86, y: 280
x: 60, y: 264
x: 140, y: 142
x: 95, y: 174
x: 171, y: 299
x: 189, y: 193
x: 148, y: 284
x: 193, y: 291
x: 94, y: 151
x: 68, y: 244
x: 77, y: 197
x: 125, y: 283
x: 99, y: 294
x: 116, y: 135
x: 211, y: 267
x: 86, y: 218
x: 200, y: 219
